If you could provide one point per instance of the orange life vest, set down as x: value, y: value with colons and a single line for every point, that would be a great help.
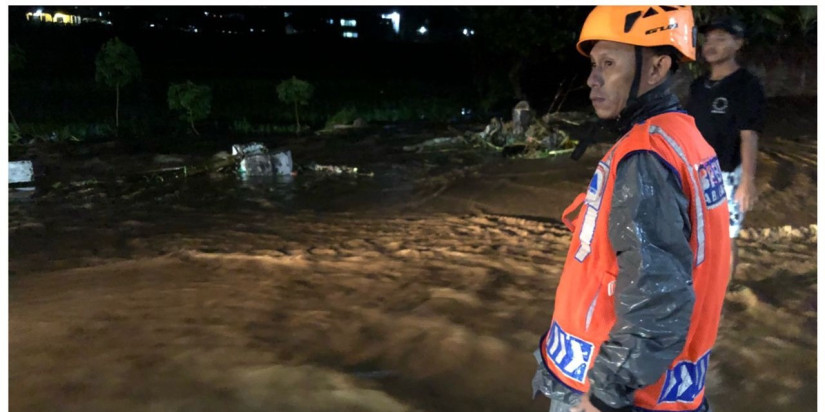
x: 584, y: 312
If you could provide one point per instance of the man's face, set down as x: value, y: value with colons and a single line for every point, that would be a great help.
x: 720, y: 46
x: 611, y: 75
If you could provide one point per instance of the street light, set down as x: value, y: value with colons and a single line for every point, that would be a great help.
x: 395, y: 17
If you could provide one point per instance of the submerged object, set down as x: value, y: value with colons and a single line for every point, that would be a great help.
x: 257, y: 160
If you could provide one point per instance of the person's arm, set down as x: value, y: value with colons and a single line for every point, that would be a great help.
x: 750, y: 120
x: 649, y: 229
x: 746, y: 194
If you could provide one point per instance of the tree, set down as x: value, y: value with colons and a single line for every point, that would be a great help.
x: 17, y: 61
x: 508, y: 38
x: 297, y: 92
x: 192, y: 100
x: 116, y: 65
x: 17, y: 57
x: 807, y: 21
x: 784, y: 25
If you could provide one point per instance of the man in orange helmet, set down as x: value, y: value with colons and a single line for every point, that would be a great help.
x: 639, y: 300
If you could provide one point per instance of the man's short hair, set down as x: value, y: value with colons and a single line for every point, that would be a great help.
x: 668, y: 51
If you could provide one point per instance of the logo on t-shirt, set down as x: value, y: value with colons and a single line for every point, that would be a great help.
x: 720, y: 105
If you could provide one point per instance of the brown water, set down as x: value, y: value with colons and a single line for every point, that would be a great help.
x: 425, y: 287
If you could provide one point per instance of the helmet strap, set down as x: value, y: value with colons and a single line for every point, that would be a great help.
x: 637, y: 77
x: 633, y: 96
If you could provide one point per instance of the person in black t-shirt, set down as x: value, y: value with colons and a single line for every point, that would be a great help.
x: 728, y: 104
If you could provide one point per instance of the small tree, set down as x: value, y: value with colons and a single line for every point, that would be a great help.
x: 192, y: 100
x: 17, y: 61
x: 17, y: 57
x: 116, y: 65
x: 297, y: 92
x: 807, y: 20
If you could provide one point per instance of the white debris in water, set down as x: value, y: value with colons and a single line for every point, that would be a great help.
x: 21, y: 171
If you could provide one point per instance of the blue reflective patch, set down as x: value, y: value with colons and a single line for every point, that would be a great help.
x: 595, y: 190
x: 570, y: 354
x: 685, y: 381
x: 593, y: 200
x: 710, y: 177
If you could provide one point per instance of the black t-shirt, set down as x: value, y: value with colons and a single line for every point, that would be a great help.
x: 725, y: 107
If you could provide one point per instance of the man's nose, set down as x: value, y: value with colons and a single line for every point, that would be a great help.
x: 594, y: 79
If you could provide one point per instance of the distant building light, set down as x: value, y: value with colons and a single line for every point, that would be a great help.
x: 205, y: 13
x: 100, y: 14
x: 472, y: 32
x: 422, y: 30
x: 38, y: 12
x: 58, y: 17
x: 263, y: 30
x: 151, y: 24
x: 396, y: 20
x: 467, y: 32
x: 331, y: 21
x: 287, y: 14
x: 350, y: 35
x: 251, y: 30
x: 61, y: 18
x: 196, y: 30
x: 348, y: 23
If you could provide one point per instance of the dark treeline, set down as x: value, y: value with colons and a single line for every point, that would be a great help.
x: 515, y: 53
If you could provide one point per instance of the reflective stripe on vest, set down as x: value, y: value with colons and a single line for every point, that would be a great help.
x: 700, y: 218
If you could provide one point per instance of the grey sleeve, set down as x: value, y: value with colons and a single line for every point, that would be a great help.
x: 649, y: 228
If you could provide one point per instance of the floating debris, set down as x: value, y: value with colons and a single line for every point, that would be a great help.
x: 257, y: 160
x: 21, y: 175
x: 525, y: 136
x: 335, y: 170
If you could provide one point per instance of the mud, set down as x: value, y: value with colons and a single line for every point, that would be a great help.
x: 425, y: 291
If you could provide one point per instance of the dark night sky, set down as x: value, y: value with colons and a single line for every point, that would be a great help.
x: 442, y: 62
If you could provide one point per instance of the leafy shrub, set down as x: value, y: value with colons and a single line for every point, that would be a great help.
x: 297, y: 92
x: 192, y: 100
x: 344, y: 116
x: 241, y: 126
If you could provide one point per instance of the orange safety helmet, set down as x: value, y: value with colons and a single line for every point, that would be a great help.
x: 646, y: 26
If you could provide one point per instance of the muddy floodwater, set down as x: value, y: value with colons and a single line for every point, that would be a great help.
x: 424, y: 287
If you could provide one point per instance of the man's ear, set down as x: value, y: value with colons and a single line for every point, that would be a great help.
x: 739, y: 43
x: 659, y: 68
